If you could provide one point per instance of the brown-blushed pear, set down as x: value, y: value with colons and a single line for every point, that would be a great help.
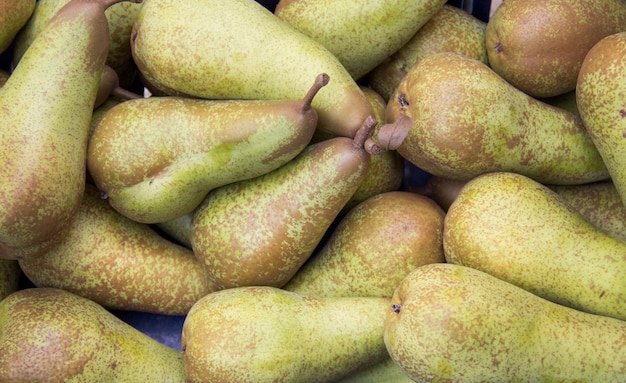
x: 119, y: 263
x: 262, y: 230
x: 265, y: 334
x: 539, y: 46
x: 157, y: 158
x: 600, y: 99
x: 521, y: 231
x: 360, y: 34
x: 451, y: 323
x: 450, y: 29
x: 51, y: 335
x: 14, y: 14
x: 238, y: 49
x: 454, y: 117
x: 46, y: 108
x: 374, y: 246
x: 441, y: 190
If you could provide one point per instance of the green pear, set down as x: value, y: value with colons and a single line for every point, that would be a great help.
x: 266, y: 334
x: 46, y: 106
x: 374, y: 247
x: 238, y: 49
x: 386, y: 371
x: 262, y: 230
x: 10, y: 273
x: 360, y: 34
x: 179, y: 229
x: 157, y: 158
x: 539, y: 46
x: 14, y: 14
x: 450, y: 323
x: 454, y: 117
x: 600, y: 96
x: 450, y: 29
x: 120, y: 264
x: 52, y: 335
x: 521, y: 231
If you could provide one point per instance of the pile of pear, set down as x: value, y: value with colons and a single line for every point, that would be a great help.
x: 249, y: 168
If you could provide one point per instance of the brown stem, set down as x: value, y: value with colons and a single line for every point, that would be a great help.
x: 320, y: 81
x: 364, y: 132
x: 391, y: 135
x: 124, y: 93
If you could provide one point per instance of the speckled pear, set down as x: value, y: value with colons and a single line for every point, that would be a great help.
x: 157, y: 158
x: 386, y: 371
x: 456, y: 118
x: 262, y: 230
x: 10, y: 273
x: 266, y: 334
x: 51, y: 335
x: 46, y: 107
x: 120, y: 264
x: 360, y: 34
x: 457, y: 324
x: 521, y: 231
x: 238, y: 49
x: 374, y: 246
x: 14, y: 14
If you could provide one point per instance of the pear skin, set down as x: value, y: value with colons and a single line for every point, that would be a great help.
x: 450, y: 323
x: 539, y: 46
x: 197, y: 48
x: 521, y: 231
x: 46, y: 109
x: 600, y: 99
x: 261, y: 231
x: 179, y: 229
x: 14, y: 14
x: 451, y: 29
x: 266, y: 334
x: 360, y: 34
x: 52, y: 335
x: 386, y: 371
x: 120, y: 264
x: 10, y: 273
x: 441, y: 190
x: 374, y: 247
x: 459, y: 119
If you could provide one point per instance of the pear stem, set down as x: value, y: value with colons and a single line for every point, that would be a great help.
x: 391, y: 135
x: 125, y: 93
x: 363, y: 134
x: 320, y: 81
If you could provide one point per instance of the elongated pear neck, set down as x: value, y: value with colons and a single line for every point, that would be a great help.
x: 320, y: 81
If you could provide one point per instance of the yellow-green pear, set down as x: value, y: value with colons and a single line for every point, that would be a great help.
x: 46, y: 106
x: 386, y: 371
x: 521, y: 231
x: 454, y: 117
x: 450, y: 29
x: 600, y: 99
x: 14, y: 14
x: 10, y: 273
x: 266, y: 334
x: 539, y: 46
x: 450, y: 323
x: 360, y: 34
x: 179, y: 229
x: 120, y: 264
x: 51, y: 335
x: 157, y: 158
x: 238, y: 49
x: 374, y: 247
x: 262, y: 230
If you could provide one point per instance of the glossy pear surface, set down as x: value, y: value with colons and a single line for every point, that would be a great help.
x: 519, y: 230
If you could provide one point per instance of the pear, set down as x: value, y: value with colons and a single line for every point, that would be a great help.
x: 262, y: 230
x: 199, y: 48
x: 14, y: 14
x: 454, y: 117
x: 521, y: 231
x: 599, y: 202
x: 374, y: 247
x: 52, y: 335
x: 360, y: 34
x: 565, y: 101
x: 441, y: 190
x: 599, y: 96
x: 46, y: 109
x: 450, y: 29
x: 10, y: 273
x: 179, y: 229
x: 4, y: 76
x: 386, y: 371
x: 265, y: 334
x: 539, y: 46
x: 450, y: 323
x: 110, y: 86
x: 120, y: 264
x: 157, y: 158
